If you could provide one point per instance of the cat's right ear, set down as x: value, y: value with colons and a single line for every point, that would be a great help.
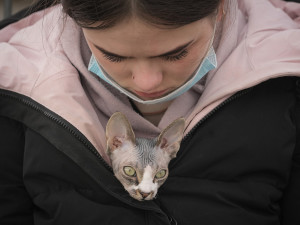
x: 118, y: 131
x: 170, y: 138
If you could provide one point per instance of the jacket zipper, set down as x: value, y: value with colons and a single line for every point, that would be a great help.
x: 89, y: 146
x: 92, y: 149
x: 47, y: 113
x: 207, y: 116
x: 213, y: 111
x: 28, y: 102
x: 61, y: 123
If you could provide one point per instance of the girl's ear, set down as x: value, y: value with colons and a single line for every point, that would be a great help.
x: 118, y: 131
x: 170, y: 138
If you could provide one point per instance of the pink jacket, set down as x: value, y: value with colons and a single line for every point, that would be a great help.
x: 38, y: 55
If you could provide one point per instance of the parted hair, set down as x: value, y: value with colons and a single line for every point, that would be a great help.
x: 107, y: 13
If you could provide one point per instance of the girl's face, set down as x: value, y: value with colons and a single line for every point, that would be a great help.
x: 150, y: 61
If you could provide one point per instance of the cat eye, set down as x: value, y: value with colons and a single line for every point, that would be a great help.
x: 160, y: 174
x: 129, y: 171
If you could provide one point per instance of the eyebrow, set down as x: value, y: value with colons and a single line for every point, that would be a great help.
x: 171, y: 52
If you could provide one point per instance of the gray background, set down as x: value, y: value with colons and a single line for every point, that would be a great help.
x: 16, y: 6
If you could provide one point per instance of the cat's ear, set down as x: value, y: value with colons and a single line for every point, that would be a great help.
x: 118, y: 131
x: 170, y: 138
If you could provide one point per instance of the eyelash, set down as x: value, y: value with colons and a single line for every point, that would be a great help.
x: 177, y: 57
x: 172, y: 58
x: 112, y: 58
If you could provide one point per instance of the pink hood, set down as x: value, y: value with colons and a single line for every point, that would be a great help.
x: 37, y: 58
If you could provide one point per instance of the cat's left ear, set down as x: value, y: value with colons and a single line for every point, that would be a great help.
x: 118, y: 132
x: 170, y: 138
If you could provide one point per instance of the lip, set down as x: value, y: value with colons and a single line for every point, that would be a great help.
x: 152, y: 94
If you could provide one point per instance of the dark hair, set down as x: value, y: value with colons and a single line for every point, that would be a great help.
x: 158, y: 12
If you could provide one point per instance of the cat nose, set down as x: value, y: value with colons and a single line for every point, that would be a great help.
x: 143, y: 194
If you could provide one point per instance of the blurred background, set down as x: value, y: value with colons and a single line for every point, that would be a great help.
x: 8, y: 7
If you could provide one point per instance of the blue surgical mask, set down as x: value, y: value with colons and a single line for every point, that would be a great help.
x: 209, y: 63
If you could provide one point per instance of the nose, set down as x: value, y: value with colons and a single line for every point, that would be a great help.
x: 143, y: 194
x: 147, y: 77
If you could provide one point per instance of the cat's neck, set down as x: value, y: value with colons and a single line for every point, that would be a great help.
x: 153, y: 112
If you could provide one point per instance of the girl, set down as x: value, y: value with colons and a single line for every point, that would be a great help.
x: 230, y: 68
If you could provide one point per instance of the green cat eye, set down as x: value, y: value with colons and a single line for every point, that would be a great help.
x: 160, y: 174
x: 128, y: 170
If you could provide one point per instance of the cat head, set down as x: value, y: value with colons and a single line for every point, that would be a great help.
x: 141, y: 164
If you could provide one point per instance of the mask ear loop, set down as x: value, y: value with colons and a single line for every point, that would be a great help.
x: 221, y: 12
x: 213, y: 36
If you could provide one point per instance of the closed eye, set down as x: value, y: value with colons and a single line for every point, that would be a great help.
x: 173, y: 55
x: 176, y: 57
x: 172, y: 58
x: 113, y: 58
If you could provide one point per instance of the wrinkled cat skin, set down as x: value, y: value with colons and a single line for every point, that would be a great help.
x: 140, y: 164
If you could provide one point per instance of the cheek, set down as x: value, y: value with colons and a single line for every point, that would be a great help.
x: 161, y: 182
x: 129, y: 184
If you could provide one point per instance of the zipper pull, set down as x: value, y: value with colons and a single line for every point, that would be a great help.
x: 172, y: 220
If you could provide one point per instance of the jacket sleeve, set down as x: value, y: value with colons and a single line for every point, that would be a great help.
x: 291, y: 198
x: 15, y: 203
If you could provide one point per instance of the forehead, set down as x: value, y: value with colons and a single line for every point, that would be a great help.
x: 134, y: 34
x: 148, y: 154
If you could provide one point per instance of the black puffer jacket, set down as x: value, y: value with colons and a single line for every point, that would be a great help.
x: 239, y: 165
